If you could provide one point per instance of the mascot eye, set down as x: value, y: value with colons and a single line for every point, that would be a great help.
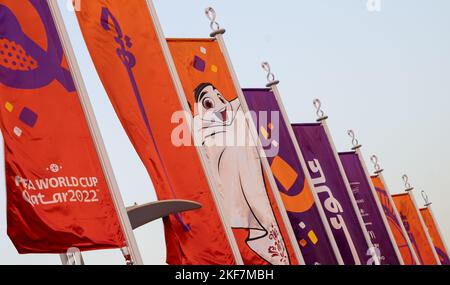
x: 208, y: 103
x: 221, y: 98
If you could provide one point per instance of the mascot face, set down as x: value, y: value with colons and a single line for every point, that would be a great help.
x: 211, y: 105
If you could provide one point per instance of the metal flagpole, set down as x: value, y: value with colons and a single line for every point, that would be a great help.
x: 273, y: 84
x: 73, y: 256
x: 357, y: 149
x: 322, y: 119
x: 201, y: 152
x: 218, y: 35
x: 409, y: 189
x: 132, y: 247
x: 428, y: 206
x: 379, y: 172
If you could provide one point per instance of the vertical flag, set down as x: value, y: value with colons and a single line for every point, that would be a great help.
x: 57, y: 194
x: 395, y: 222
x: 220, y: 127
x: 331, y: 187
x: 433, y: 230
x: 125, y: 43
x: 415, y: 228
x: 370, y: 208
x: 291, y: 180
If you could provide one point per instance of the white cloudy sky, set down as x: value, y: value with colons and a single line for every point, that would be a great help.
x: 385, y: 74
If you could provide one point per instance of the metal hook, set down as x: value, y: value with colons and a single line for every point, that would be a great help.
x: 425, y: 198
x: 376, y: 164
x: 212, y: 15
x: 408, y: 186
x: 215, y: 27
x: 320, y: 113
x: 270, y: 76
x: 355, y: 141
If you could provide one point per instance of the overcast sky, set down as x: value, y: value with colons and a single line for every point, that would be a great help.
x: 384, y: 74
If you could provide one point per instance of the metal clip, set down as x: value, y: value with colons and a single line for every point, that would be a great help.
x: 215, y: 27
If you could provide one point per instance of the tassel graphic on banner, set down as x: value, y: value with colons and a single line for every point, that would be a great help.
x: 434, y: 231
x: 415, y: 226
x: 369, y: 205
x: 395, y: 222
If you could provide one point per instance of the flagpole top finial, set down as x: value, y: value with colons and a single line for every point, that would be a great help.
x: 270, y: 76
x: 355, y: 141
x: 408, y: 187
x: 376, y: 164
x: 320, y: 113
x: 215, y: 27
x: 425, y: 198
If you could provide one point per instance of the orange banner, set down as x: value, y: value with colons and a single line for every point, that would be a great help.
x: 394, y: 223
x: 57, y: 194
x: 218, y: 116
x: 417, y: 234
x: 129, y: 59
x: 435, y: 235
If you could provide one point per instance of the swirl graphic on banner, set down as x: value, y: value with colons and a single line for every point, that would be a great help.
x: 129, y: 61
x: 23, y: 63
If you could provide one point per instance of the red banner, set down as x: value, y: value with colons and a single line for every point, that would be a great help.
x: 129, y: 59
x: 57, y: 195
x: 413, y: 225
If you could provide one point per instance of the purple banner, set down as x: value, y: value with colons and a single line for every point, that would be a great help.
x: 332, y: 191
x: 287, y: 170
x: 368, y: 206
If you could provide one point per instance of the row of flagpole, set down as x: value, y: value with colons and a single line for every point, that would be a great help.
x: 379, y: 171
x: 411, y: 196
x: 217, y: 33
x: 322, y: 119
x: 131, y: 251
x: 357, y: 148
x: 273, y: 85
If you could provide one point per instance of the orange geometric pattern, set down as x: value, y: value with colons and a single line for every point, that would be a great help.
x: 283, y: 172
x: 12, y: 56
